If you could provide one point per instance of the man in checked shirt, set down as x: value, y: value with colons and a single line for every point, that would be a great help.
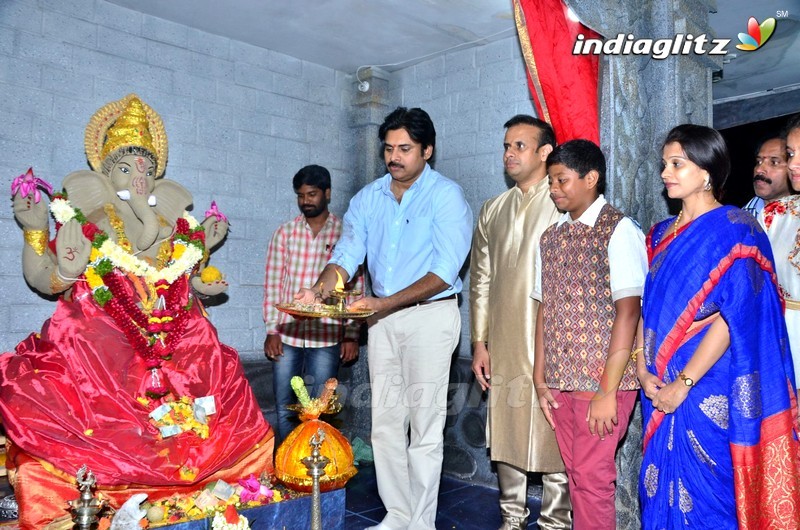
x: 298, y: 252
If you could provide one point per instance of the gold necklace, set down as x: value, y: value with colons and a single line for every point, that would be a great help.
x: 165, y: 250
x: 118, y: 225
x: 675, y: 225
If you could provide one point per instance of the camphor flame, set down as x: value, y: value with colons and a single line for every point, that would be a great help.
x: 339, y: 282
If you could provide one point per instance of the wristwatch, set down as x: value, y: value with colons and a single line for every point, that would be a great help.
x: 688, y: 381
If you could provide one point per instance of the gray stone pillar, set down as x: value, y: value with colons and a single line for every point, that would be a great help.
x: 369, y: 107
x: 641, y: 99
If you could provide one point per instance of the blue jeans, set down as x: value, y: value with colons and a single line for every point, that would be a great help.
x: 316, y: 365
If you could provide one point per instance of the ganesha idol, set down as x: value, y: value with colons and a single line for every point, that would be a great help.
x: 128, y: 376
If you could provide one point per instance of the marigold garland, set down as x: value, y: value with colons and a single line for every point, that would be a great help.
x: 181, y: 414
x: 182, y: 508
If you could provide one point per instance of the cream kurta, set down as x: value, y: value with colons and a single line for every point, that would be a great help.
x: 503, y: 315
x: 784, y: 237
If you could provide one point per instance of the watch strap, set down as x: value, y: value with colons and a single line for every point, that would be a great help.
x: 688, y: 381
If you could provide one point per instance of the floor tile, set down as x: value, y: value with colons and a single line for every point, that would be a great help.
x: 471, y: 507
x: 450, y: 484
x: 357, y: 522
x: 461, y: 505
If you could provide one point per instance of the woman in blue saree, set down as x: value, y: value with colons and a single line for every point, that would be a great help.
x: 720, y: 449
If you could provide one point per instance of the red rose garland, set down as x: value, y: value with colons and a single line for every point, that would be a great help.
x: 152, y: 336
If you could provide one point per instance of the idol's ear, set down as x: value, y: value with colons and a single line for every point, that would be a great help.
x: 172, y: 199
x: 88, y: 190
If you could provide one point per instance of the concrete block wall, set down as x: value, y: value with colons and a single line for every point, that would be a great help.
x: 240, y: 120
x: 469, y: 95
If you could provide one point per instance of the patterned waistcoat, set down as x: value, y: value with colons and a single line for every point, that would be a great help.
x: 576, y: 289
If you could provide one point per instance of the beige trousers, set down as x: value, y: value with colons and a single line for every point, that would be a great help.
x: 409, y: 367
x: 556, y: 507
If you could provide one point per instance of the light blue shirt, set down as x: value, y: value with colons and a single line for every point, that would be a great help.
x: 430, y: 230
x: 754, y: 206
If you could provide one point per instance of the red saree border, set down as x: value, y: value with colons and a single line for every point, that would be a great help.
x: 665, y: 241
x: 673, y: 340
x: 652, y: 426
x: 766, y: 477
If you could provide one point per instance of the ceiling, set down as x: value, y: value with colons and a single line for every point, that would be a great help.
x: 776, y: 65
x: 347, y: 34
x: 342, y: 34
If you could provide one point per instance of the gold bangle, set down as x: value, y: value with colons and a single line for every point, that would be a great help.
x: 37, y: 239
x: 57, y: 285
x: 635, y: 353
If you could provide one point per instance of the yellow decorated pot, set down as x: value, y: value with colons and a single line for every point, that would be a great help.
x: 291, y: 471
x: 289, y: 467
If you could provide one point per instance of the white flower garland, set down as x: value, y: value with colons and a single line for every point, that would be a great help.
x: 191, y: 220
x: 133, y: 265
x: 219, y: 523
x: 63, y: 212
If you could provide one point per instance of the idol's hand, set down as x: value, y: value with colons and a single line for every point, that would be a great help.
x: 482, y: 365
x: 209, y: 289
x: 30, y: 214
x: 216, y: 230
x: 72, y: 251
x: 651, y: 384
x: 670, y: 397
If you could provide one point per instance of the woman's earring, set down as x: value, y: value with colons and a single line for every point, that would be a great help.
x: 707, y: 181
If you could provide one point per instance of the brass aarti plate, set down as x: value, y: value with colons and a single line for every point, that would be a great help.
x: 321, y: 311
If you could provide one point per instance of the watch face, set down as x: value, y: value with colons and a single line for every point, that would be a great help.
x: 688, y: 381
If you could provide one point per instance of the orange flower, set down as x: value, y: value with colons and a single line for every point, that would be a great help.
x: 231, y: 515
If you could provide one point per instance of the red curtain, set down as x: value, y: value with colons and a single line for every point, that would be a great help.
x: 564, y: 86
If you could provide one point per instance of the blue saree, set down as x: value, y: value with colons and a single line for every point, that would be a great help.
x: 728, y: 456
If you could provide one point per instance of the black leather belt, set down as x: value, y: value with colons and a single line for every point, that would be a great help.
x: 426, y: 302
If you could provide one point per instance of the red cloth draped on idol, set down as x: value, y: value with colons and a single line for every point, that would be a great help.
x: 128, y: 376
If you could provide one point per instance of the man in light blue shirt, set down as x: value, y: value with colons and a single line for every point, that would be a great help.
x: 414, y: 226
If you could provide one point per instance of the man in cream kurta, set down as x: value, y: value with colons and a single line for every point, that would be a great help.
x: 502, y: 314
